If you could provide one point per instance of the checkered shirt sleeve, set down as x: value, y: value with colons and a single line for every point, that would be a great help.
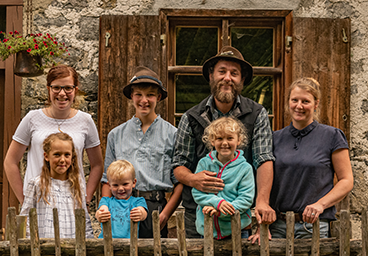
x: 185, y: 145
x: 262, y: 140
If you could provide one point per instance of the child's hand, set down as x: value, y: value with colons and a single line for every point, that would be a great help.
x: 103, y: 214
x: 210, y: 210
x: 226, y: 208
x: 138, y: 214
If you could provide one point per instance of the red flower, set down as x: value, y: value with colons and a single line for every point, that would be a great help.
x: 9, y: 47
x: 36, y: 46
x: 29, y: 50
x: 31, y: 34
x: 55, y: 42
x: 16, y: 32
x: 40, y: 34
x: 34, y: 40
x: 24, y: 43
x: 68, y: 53
x: 51, y: 53
x: 10, y: 33
x: 63, y: 44
x: 60, y: 48
x: 5, y: 40
x: 66, y: 50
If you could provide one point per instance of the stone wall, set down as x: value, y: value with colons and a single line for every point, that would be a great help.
x: 77, y: 24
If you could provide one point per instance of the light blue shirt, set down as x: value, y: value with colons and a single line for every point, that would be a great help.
x: 120, y: 214
x: 150, y: 152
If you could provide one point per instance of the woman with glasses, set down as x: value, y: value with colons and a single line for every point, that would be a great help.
x: 58, y: 116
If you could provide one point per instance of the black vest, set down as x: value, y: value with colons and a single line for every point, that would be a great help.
x: 200, y: 117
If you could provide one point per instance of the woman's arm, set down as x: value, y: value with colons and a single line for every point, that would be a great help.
x: 344, y: 173
x: 11, y: 167
x: 96, y: 162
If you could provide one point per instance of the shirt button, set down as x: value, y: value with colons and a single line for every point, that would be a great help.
x: 139, y: 139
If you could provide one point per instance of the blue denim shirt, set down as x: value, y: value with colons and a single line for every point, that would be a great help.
x: 150, y: 152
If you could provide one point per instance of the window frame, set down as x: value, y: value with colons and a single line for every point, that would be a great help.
x: 279, y: 20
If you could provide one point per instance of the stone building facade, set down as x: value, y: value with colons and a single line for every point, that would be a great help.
x: 77, y: 24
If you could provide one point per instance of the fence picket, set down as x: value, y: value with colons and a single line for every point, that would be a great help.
x: 236, y: 233
x: 208, y: 249
x: 181, y: 234
x: 13, y: 234
x: 56, y: 232
x: 107, y: 238
x: 315, y: 239
x: 265, y: 245
x: 290, y: 227
x: 80, y: 232
x: 33, y: 229
x: 133, y: 238
x: 156, y: 233
x: 344, y: 233
x: 364, y: 231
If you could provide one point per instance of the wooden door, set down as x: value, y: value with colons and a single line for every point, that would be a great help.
x: 134, y: 41
x: 10, y: 105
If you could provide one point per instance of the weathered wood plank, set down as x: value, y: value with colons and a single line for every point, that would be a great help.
x: 11, y: 105
x: 56, y: 231
x: 156, y: 233
x: 133, y: 238
x: 170, y: 247
x: 13, y: 232
x: 107, y: 238
x: 225, y: 13
x: 345, y: 233
x: 236, y: 233
x: 290, y: 227
x: 21, y: 226
x: 208, y: 235
x: 265, y: 247
x: 80, y: 232
x: 315, y: 239
x: 182, y: 244
x: 33, y: 228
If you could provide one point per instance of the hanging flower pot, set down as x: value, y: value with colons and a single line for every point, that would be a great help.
x: 27, y: 65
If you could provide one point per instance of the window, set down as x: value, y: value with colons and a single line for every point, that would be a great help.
x: 196, y: 35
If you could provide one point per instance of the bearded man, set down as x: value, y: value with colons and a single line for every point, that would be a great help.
x: 227, y: 73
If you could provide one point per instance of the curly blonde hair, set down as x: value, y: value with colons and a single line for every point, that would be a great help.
x: 118, y: 169
x: 72, y: 172
x: 227, y: 125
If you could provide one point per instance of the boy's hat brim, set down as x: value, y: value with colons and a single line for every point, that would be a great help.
x: 231, y: 54
x: 144, y: 76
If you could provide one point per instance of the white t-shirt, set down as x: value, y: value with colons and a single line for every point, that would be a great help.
x: 36, y: 126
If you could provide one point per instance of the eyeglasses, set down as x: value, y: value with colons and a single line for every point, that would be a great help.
x: 67, y: 88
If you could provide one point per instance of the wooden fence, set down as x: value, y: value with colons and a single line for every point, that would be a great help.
x: 80, y: 246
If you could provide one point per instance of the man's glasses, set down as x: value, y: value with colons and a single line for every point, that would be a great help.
x: 67, y: 88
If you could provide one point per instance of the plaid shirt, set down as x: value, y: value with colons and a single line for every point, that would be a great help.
x: 184, y: 153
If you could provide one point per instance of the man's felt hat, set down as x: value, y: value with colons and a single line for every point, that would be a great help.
x: 231, y: 54
x: 144, y: 76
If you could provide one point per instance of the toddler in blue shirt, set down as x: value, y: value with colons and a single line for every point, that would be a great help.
x: 121, y: 207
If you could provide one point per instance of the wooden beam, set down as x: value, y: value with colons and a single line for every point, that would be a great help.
x: 11, y: 2
x: 225, y: 13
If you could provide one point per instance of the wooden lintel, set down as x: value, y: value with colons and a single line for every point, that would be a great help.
x: 225, y: 13
x: 198, y: 70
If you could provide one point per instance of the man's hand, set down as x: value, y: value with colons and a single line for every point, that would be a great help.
x: 226, y: 208
x: 210, y: 210
x: 103, y: 214
x: 264, y: 213
x: 138, y: 214
x: 206, y: 181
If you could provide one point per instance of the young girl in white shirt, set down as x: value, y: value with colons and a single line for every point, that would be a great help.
x: 58, y: 186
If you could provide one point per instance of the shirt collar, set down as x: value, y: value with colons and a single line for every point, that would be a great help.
x: 210, y: 105
x: 301, y: 133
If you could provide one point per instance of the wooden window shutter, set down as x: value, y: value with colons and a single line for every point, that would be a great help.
x: 321, y: 49
x: 133, y: 41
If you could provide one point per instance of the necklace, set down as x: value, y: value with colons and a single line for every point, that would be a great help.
x: 59, y: 124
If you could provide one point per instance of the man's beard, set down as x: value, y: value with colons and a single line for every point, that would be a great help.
x: 225, y: 97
